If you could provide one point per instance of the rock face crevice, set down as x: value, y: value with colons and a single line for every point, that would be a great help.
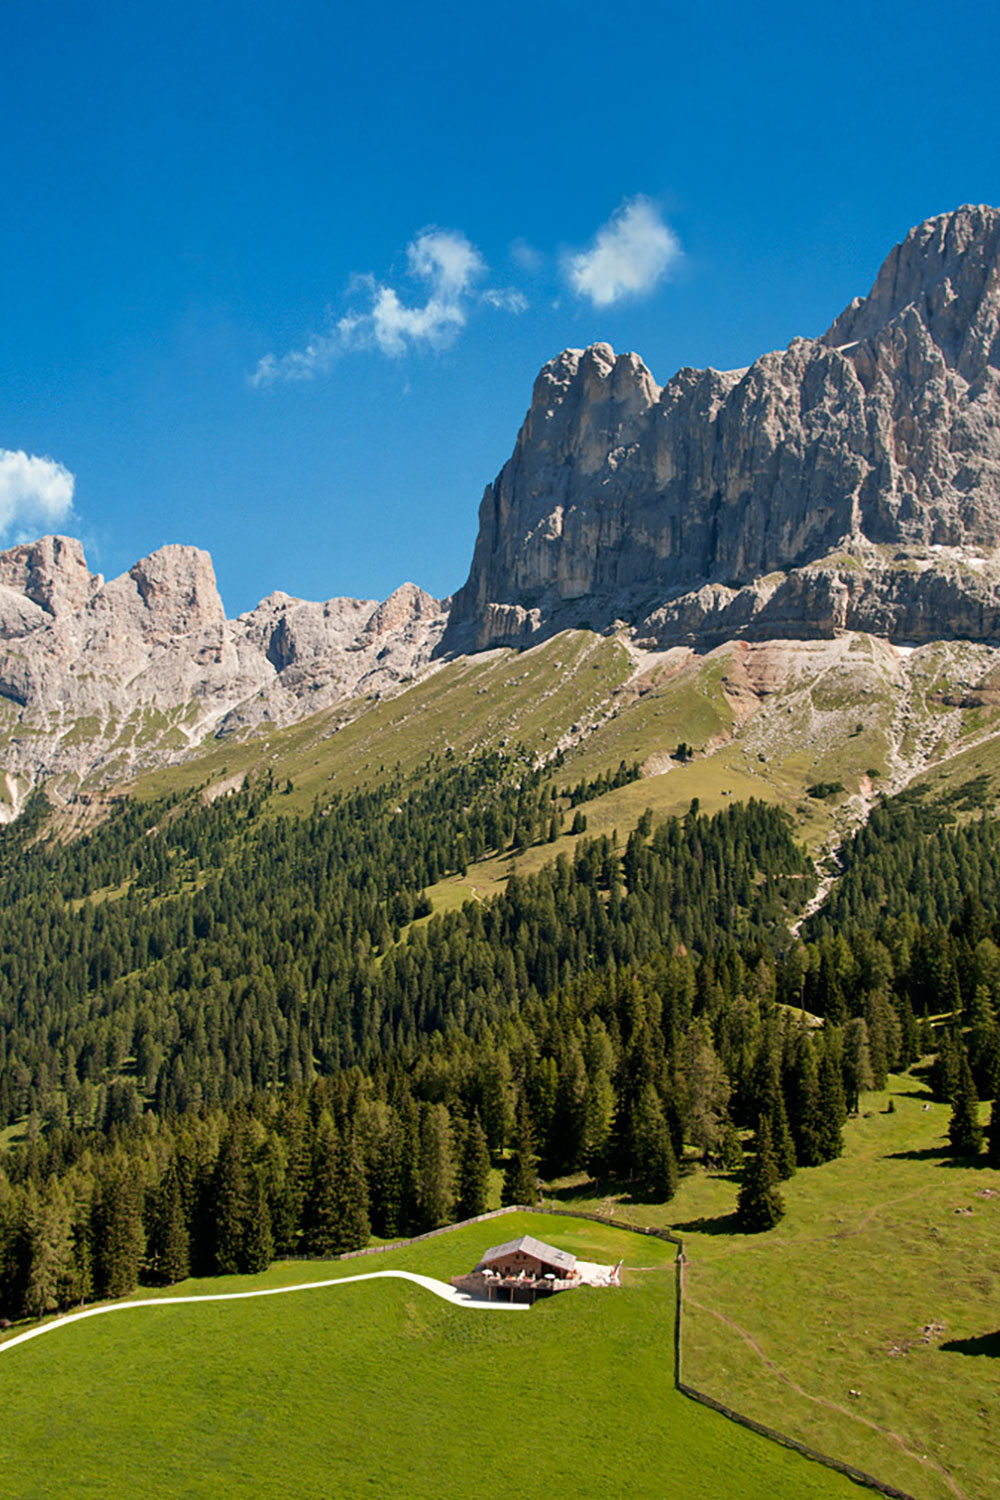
x: 622, y: 496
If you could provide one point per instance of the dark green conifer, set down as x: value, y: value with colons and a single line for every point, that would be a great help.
x: 169, y: 1247
x: 760, y: 1204
x: 119, y: 1240
x: 781, y: 1137
x: 832, y: 1108
x: 474, y: 1172
x: 656, y: 1164
x: 520, y: 1178
x: 964, y: 1130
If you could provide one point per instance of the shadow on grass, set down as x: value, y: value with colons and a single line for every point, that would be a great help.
x: 924, y: 1153
x: 985, y: 1343
x: 942, y: 1155
x: 724, y: 1224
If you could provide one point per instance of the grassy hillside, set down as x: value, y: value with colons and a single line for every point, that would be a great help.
x: 867, y: 1324
x: 768, y: 720
x: 381, y: 1389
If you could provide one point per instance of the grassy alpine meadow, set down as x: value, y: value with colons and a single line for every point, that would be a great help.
x: 867, y: 1322
x: 381, y: 1389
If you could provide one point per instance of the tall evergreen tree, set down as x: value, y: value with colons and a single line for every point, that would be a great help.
x: 437, y: 1166
x: 858, y: 1075
x: 233, y: 1182
x: 119, y: 1240
x: 964, y: 1130
x: 653, y: 1150
x: 474, y: 1172
x: 760, y: 1204
x: 781, y: 1137
x: 169, y: 1244
x: 520, y: 1178
x: 831, y: 1107
x: 258, y: 1241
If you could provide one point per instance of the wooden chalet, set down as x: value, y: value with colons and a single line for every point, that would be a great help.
x: 520, y: 1270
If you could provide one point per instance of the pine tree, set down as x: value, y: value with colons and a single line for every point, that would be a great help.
x: 322, y: 1206
x: 50, y: 1250
x: 760, y: 1204
x: 119, y: 1240
x: 437, y: 1166
x: 474, y: 1172
x: 964, y: 1130
x: 520, y: 1178
x: 258, y: 1241
x: 169, y: 1242
x: 831, y: 1108
x: 858, y: 1074
x: 804, y: 1120
x: 781, y: 1137
x: 232, y: 1183
x: 653, y: 1150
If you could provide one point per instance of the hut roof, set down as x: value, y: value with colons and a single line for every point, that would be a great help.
x: 530, y: 1246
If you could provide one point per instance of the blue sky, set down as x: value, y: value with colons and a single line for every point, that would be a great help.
x: 277, y: 277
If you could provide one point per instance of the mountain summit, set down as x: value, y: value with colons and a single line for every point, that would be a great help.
x: 686, y: 510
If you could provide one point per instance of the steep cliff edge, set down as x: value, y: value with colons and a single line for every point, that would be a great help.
x: 692, y: 510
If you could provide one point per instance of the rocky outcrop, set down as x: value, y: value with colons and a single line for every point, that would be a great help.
x: 101, y: 679
x: 623, y: 500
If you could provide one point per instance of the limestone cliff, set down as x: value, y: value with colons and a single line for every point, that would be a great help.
x: 101, y: 679
x: 689, y: 508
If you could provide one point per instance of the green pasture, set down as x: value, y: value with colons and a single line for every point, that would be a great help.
x: 381, y: 1389
x: 867, y: 1323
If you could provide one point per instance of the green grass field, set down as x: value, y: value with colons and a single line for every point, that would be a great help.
x: 867, y: 1323
x: 381, y: 1389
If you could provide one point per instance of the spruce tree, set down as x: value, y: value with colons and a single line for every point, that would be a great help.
x: 322, y: 1207
x: 119, y: 1240
x: 781, y: 1137
x: 760, y: 1204
x: 831, y: 1108
x: 858, y: 1074
x: 169, y: 1242
x: 258, y: 1241
x: 653, y: 1150
x: 805, y: 1122
x: 964, y: 1130
x: 437, y: 1167
x: 232, y: 1184
x: 520, y: 1178
x: 474, y: 1172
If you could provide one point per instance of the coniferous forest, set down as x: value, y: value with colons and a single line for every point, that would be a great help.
x: 227, y: 1033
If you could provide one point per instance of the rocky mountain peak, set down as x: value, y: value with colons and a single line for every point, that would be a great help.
x: 406, y: 605
x: 947, y: 272
x: 177, y: 588
x: 51, y: 572
x: 621, y: 497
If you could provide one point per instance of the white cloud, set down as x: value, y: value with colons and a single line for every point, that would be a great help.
x: 631, y: 254
x: 505, y: 299
x: 446, y: 262
x: 35, y: 493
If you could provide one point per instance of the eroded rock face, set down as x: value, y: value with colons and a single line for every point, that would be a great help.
x: 106, y: 678
x: 622, y: 496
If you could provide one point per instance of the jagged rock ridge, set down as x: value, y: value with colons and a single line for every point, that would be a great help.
x: 110, y: 677
x: 691, y: 510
